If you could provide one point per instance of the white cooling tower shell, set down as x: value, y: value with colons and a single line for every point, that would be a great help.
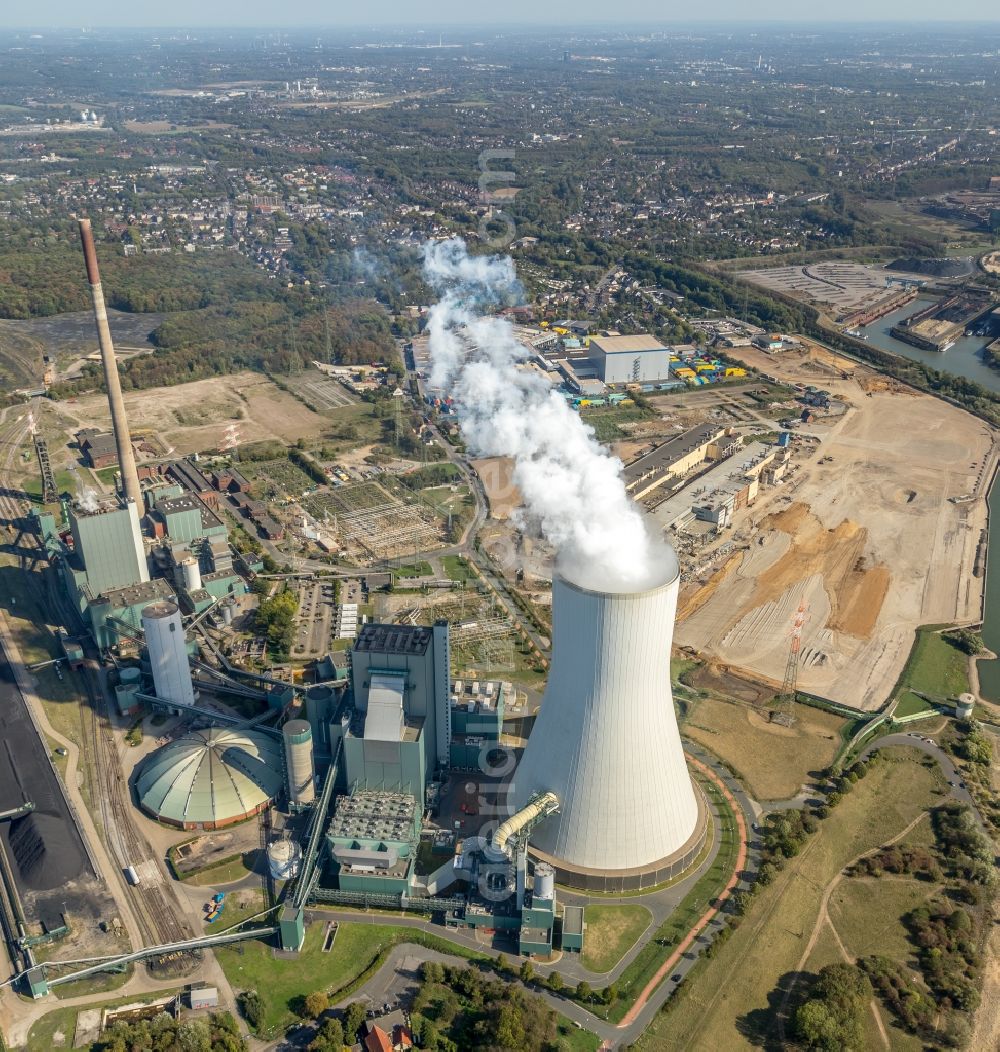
x: 606, y: 743
x: 168, y: 659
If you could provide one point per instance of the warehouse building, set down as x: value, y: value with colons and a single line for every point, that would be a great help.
x: 630, y: 359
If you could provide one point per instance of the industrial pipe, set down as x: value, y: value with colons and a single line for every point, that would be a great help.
x: 119, y: 422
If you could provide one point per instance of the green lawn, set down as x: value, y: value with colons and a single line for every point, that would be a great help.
x: 910, y: 704
x: 359, y: 947
x: 935, y: 667
x: 421, y: 569
x: 63, y: 1021
x: 457, y: 568
x: 610, y: 933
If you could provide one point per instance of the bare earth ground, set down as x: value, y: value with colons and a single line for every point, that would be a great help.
x: 193, y: 417
x: 495, y: 475
x: 869, y: 540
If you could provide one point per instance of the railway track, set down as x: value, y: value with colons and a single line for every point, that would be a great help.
x: 155, y: 910
x: 13, y: 432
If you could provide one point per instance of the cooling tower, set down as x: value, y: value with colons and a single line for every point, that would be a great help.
x: 165, y: 642
x: 606, y: 743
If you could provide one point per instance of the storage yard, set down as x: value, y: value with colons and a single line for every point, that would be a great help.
x: 842, y: 288
x: 874, y: 531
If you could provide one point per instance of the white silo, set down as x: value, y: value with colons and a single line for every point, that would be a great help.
x: 190, y: 574
x: 168, y: 659
x: 284, y: 859
x: 299, y: 764
x: 964, y: 706
x: 545, y: 881
x: 606, y: 742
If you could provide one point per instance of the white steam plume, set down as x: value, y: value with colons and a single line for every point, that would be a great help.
x: 572, y: 486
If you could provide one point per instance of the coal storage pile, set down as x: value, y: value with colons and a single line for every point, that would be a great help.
x: 39, y: 850
x: 44, y: 847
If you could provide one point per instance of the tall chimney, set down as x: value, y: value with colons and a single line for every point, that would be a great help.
x: 119, y: 422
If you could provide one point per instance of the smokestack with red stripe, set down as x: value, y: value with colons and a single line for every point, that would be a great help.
x: 119, y: 422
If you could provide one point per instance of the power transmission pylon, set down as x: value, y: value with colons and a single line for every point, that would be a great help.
x: 782, y: 712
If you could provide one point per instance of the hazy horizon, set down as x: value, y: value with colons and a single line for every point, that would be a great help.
x: 249, y: 14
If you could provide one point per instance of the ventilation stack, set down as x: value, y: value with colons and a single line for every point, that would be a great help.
x: 119, y: 422
x: 168, y: 657
x: 606, y: 743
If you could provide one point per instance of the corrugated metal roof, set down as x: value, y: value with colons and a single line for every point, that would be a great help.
x: 211, y: 776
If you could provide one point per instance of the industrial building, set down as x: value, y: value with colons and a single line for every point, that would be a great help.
x: 677, y: 456
x: 606, y: 743
x: 212, y: 778
x: 629, y: 359
x: 721, y: 491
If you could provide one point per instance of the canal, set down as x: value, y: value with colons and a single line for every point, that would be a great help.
x: 964, y: 359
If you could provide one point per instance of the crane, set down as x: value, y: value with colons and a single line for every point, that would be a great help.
x: 782, y: 711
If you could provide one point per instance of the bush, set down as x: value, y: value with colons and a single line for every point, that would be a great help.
x: 251, y: 1006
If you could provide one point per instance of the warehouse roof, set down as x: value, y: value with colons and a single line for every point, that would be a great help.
x: 626, y: 344
x: 211, y: 776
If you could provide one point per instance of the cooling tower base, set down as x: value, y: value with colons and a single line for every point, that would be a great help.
x: 622, y: 881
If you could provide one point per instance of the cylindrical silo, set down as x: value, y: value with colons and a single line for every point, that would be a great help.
x: 284, y: 858
x: 168, y: 659
x: 227, y: 613
x: 299, y: 762
x: 964, y: 706
x: 191, y: 574
x: 606, y: 741
x: 545, y: 881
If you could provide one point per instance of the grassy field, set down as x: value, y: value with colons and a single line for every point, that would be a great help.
x: 728, y: 1006
x: 224, y: 874
x: 935, y: 667
x: 866, y: 912
x: 457, y: 568
x: 774, y: 760
x: 607, y: 420
x: 910, y: 704
x: 611, y: 932
x: 62, y: 1021
x: 280, y: 983
x: 421, y: 569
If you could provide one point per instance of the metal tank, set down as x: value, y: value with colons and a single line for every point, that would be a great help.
x: 284, y: 859
x: 606, y: 741
x: 545, y: 881
x: 168, y: 659
x: 299, y: 769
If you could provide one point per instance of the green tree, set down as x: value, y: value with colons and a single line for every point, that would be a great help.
x: 354, y: 1016
x: 527, y: 972
x: 251, y: 1004
x: 315, y: 1004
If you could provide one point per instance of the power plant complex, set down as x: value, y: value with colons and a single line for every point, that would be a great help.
x: 390, y: 773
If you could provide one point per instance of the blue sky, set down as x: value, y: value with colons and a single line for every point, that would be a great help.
x: 42, y: 13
